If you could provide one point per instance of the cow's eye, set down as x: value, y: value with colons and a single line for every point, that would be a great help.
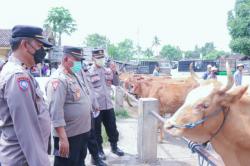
x: 202, y: 106
x: 205, y: 105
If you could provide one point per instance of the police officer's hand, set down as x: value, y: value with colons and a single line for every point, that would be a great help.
x: 64, y: 147
x: 109, y: 82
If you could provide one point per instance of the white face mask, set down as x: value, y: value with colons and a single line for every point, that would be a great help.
x: 100, y: 62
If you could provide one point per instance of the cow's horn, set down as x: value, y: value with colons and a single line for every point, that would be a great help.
x: 230, y: 81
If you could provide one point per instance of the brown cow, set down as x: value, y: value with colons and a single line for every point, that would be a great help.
x: 218, y: 114
x: 171, y: 93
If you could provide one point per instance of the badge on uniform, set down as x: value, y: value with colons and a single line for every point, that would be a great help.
x: 55, y: 84
x: 23, y: 83
x: 78, y: 94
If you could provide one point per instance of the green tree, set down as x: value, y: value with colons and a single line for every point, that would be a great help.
x: 193, y: 54
x: 239, y: 27
x: 148, y: 53
x: 97, y: 41
x: 155, y: 44
x: 125, y: 49
x: 113, y: 51
x: 213, y: 55
x: 171, y: 53
x: 60, y: 21
x: 207, y: 48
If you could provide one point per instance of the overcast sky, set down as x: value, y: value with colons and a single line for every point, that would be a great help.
x: 182, y: 23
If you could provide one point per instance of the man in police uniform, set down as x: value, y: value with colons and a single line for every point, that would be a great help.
x: 70, y: 109
x: 101, y: 79
x: 24, y: 117
x: 92, y: 143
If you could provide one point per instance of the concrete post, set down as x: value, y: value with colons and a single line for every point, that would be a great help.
x: 118, y: 98
x: 147, y: 130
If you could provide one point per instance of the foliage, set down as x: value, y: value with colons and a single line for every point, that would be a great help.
x: 239, y: 27
x: 113, y: 51
x: 138, y: 50
x: 122, y: 51
x: 155, y: 44
x: 207, y: 48
x: 60, y: 21
x: 207, y: 51
x: 156, y: 41
x: 148, y: 53
x: 192, y: 54
x: 122, y: 114
x: 171, y: 53
x: 97, y: 41
x: 125, y: 49
x: 213, y: 55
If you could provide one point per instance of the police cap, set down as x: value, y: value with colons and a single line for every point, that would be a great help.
x: 74, y: 51
x: 31, y: 32
x: 98, y: 53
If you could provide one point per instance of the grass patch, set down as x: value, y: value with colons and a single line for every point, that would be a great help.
x: 122, y: 113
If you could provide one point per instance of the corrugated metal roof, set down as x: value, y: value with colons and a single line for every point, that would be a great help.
x: 5, y: 35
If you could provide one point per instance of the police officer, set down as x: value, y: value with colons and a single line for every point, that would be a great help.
x: 70, y: 108
x: 24, y: 117
x: 92, y: 143
x: 101, y: 79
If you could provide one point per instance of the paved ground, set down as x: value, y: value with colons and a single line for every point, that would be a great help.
x: 173, y: 152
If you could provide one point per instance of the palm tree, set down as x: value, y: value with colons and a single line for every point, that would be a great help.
x: 155, y: 44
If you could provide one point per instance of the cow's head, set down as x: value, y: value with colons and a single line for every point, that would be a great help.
x: 132, y: 83
x: 210, y: 98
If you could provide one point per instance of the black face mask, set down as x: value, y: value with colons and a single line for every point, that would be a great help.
x: 39, y: 55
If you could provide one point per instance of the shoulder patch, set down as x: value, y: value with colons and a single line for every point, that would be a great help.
x: 23, y: 83
x: 55, y: 84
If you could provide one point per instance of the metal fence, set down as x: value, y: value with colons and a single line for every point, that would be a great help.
x: 205, y: 158
x: 147, y: 140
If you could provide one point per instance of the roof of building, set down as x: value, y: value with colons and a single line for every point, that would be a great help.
x: 5, y: 35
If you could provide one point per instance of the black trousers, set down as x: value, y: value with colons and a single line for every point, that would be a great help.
x: 77, y: 151
x: 107, y: 117
x: 92, y: 143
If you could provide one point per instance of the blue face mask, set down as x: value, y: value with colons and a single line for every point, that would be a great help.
x: 77, y: 66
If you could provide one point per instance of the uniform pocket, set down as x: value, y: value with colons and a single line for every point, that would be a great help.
x: 74, y: 92
x: 96, y: 81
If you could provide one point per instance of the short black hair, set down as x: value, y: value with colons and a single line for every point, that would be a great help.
x: 15, y: 42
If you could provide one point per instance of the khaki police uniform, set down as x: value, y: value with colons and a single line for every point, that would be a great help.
x: 70, y: 107
x: 101, y: 79
x: 92, y: 143
x: 86, y: 83
x: 24, y: 118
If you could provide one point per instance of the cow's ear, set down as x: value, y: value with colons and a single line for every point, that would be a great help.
x: 233, y: 95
